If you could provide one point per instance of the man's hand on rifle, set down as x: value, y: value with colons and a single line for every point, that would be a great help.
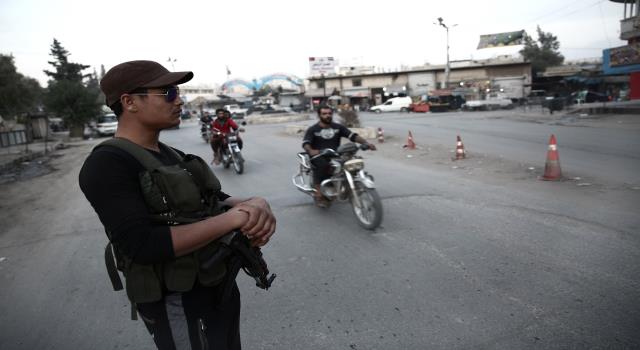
x: 261, y: 223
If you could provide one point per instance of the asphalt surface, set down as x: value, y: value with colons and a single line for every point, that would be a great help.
x: 475, y: 254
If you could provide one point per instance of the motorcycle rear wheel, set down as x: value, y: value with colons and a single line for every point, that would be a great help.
x: 370, y: 215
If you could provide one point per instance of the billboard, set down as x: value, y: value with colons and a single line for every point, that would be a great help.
x: 625, y: 55
x: 321, y: 65
x: 501, y: 39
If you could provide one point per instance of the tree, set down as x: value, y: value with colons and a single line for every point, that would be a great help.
x: 18, y: 94
x: 68, y: 96
x: 65, y: 70
x: 543, y: 53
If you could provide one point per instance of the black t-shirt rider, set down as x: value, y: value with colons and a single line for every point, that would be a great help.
x: 320, y: 138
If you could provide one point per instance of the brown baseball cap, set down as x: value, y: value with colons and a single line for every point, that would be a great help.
x: 128, y: 76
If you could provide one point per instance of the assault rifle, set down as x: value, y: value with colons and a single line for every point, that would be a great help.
x: 238, y: 253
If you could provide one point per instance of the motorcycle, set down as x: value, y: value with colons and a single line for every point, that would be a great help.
x: 205, y: 133
x: 348, y: 181
x: 230, y: 150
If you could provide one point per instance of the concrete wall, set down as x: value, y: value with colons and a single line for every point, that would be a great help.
x: 421, y: 83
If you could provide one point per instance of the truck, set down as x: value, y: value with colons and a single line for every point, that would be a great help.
x: 236, y: 111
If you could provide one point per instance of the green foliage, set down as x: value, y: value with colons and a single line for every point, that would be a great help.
x: 68, y: 96
x: 18, y: 94
x: 72, y: 101
x: 543, y: 53
x: 64, y: 70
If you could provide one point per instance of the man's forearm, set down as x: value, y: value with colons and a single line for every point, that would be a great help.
x: 360, y: 139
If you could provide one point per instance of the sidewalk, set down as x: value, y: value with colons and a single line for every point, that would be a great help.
x: 14, y: 155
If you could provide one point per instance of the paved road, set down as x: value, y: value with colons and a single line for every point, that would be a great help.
x: 467, y: 257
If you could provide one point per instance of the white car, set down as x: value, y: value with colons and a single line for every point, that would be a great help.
x: 395, y: 104
x: 106, y: 125
x: 236, y: 111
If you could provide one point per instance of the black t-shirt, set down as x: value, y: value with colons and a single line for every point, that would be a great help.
x: 320, y: 138
x: 109, y: 180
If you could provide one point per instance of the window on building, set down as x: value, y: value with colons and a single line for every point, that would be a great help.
x: 320, y: 84
x: 356, y: 82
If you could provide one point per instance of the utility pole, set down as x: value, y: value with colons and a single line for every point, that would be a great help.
x: 445, y: 83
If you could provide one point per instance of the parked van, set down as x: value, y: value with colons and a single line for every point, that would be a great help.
x: 395, y: 104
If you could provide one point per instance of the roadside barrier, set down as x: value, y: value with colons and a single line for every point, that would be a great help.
x: 410, y: 144
x: 552, y: 170
x: 380, y: 135
x: 460, y: 153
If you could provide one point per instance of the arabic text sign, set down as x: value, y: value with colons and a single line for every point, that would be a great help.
x: 321, y: 65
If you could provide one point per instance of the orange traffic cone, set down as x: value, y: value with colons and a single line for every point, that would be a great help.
x: 380, y: 135
x: 460, y: 154
x: 552, y: 166
x: 410, y: 144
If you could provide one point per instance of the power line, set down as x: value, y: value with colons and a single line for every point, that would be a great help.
x: 578, y: 10
x: 604, y: 28
x: 554, y: 11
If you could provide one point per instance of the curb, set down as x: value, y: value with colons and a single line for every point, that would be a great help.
x: 276, y: 118
x: 26, y: 156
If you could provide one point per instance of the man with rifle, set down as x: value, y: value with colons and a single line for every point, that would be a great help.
x: 163, y: 212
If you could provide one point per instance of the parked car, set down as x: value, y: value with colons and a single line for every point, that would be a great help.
x: 536, y: 97
x: 273, y: 109
x: 394, y: 104
x: 588, y: 97
x: 106, y: 125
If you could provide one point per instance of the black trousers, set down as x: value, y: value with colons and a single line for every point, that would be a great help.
x: 321, y: 169
x: 196, y: 319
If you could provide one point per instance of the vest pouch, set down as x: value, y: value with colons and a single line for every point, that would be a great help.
x: 142, y: 284
x: 214, y: 274
x: 183, y: 195
x: 152, y: 194
x: 201, y: 172
x: 180, y: 274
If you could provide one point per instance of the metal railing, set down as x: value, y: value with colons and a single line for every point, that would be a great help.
x: 13, y: 138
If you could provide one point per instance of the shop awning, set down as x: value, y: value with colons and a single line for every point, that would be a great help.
x: 356, y: 92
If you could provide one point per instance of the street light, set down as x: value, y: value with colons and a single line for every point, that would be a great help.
x: 172, y: 61
x: 447, y: 69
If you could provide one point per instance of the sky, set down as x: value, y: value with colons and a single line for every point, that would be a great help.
x: 255, y: 38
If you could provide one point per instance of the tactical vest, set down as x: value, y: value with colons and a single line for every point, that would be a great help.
x: 175, y: 194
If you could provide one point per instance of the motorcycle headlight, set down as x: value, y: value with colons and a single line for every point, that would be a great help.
x: 354, y: 165
x: 232, y: 138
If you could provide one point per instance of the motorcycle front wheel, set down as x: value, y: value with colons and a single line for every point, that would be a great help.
x: 238, y: 163
x: 369, y: 215
x: 226, y: 160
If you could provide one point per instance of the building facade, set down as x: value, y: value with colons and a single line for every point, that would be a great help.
x: 472, y: 79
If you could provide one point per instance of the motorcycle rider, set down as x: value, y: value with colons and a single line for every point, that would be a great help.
x: 225, y: 125
x: 322, y: 135
x: 205, y: 124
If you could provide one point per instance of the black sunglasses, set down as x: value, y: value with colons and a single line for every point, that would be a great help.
x: 170, y: 94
